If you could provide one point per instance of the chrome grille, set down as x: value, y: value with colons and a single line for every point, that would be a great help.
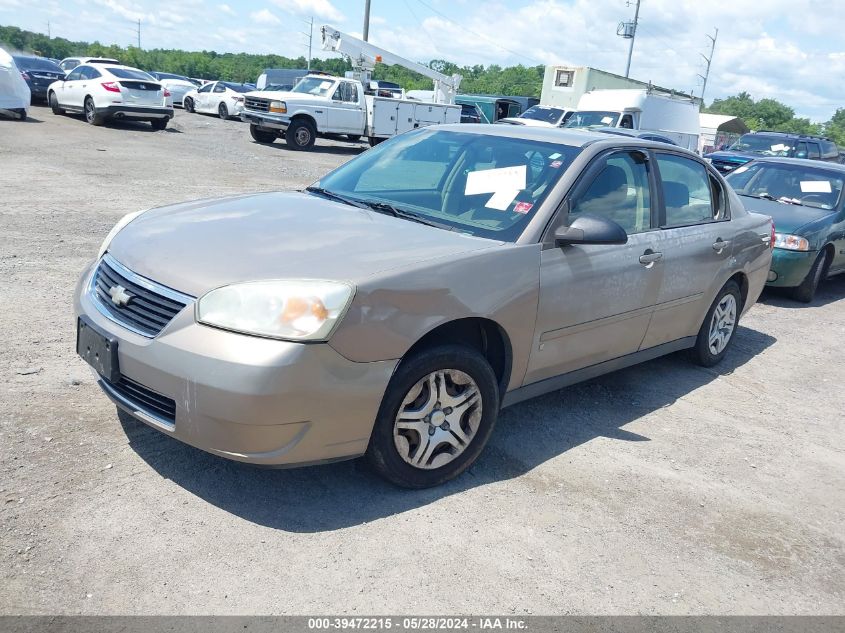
x: 150, y: 306
x: 257, y: 103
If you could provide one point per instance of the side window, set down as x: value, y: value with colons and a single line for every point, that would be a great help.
x: 92, y: 73
x: 620, y: 192
x: 75, y: 74
x: 218, y: 87
x: 687, y: 191
x: 627, y: 122
x: 351, y: 93
x: 206, y: 88
x: 801, y: 150
x: 813, y: 151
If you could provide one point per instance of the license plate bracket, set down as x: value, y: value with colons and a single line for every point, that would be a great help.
x: 98, y: 349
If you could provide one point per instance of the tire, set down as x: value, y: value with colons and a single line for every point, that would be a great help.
x: 54, y: 103
x: 432, y: 455
x: 223, y: 111
x: 159, y: 124
x: 91, y: 114
x: 718, y: 330
x: 22, y: 114
x: 374, y: 140
x: 353, y: 138
x: 300, y: 135
x: 188, y: 104
x: 807, y: 290
x: 261, y: 136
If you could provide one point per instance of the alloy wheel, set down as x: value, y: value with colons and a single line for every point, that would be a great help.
x: 722, y: 324
x: 438, y: 419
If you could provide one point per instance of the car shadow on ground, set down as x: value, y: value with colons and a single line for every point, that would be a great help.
x: 333, y: 496
x: 829, y: 291
x: 340, y: 150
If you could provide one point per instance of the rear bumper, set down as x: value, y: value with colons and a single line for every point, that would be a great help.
x: 144, y: 113
x: 272, y: 121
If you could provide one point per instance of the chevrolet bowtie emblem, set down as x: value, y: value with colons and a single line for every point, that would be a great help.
x: 119, y: 296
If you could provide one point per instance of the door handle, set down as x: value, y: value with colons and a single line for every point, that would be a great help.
x: 649, y: 257
x: 719, y: 245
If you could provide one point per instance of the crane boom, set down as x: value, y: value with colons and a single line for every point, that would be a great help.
x: 364, y: 57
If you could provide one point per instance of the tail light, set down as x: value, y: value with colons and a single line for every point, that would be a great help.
x: 111, y: 86
x: 166, y: 92
x: 772, y: 238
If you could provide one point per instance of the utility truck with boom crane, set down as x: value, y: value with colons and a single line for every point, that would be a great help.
x: 351, y: 107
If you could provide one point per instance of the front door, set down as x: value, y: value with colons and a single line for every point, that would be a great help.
x: 203, y: 95
x: 596, y: 300
x: 67, y: 94
x: 346, y: 114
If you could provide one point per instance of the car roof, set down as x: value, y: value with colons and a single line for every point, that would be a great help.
x: 803, y: 162
x: 575, y: 137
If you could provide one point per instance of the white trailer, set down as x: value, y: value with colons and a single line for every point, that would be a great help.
x: 673, y: 117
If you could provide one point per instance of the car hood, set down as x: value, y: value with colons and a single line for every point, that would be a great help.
x: 788, y: 218
x: 197, y: 246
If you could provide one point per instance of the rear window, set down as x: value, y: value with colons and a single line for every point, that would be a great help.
x: 237, y: 87
x: 171, y: 76
x: 130, y: 73
x: 36, y: 63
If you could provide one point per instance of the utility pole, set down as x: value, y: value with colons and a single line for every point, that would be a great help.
x: 310, y: 36
x: 366, y: 20
x: 706, y: 74
x: 633, y: 37
x: 48, y: 30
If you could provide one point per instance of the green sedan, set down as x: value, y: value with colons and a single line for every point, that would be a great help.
x: 805, y: 200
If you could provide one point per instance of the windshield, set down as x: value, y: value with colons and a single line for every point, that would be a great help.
x: 130, y: 73
x: 764, y: 145
x: 313, y: 86
x: 484, y: 185
x: 794, y: 184
x: 586, y: 119
x: 549, y: 115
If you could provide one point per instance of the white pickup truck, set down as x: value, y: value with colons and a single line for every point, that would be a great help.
x: 338, y: 108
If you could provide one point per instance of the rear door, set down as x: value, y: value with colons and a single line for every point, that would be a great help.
x: 696, y: 239
x: 596, y: 300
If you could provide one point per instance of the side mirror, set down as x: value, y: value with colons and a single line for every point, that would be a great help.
x: 591, y: 229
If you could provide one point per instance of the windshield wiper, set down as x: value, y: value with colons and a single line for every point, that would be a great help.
x: 352, y: 202
x: 396, y: 212
x: 768, y: 196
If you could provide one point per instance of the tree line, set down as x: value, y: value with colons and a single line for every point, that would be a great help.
x: 526, y: 81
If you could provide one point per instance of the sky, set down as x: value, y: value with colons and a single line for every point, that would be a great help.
x: 789, y: 50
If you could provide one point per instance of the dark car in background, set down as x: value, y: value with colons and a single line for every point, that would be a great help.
x: 38, y: 73
x: 773, y: 144
x: 805, y: 199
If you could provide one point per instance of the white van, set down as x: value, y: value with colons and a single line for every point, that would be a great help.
x: 640, y: 109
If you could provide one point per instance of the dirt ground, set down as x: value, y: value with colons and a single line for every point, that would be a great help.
x: 662, y: 489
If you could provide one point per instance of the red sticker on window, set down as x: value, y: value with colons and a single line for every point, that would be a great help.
x: 556, y: 163
x: 523, y: 207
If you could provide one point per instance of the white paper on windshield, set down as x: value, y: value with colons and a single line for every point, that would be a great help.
x: 324, y: 85
x: 815, y: 186
x: 554, y: 156
x: 779, y: 147
x: 739, y: 170
x: 505, y: 183
x: 607, y: 120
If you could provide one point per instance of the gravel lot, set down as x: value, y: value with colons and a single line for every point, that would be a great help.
x: 662, y: 489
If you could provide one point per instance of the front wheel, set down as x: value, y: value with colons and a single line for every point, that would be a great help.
x: 374, y: 140
x: 353, y: 138
x: 807, y: 290
x: 54, y: 104
x: 188, y: 104
x: 223, y: 111
x: 719, y: 327
x: 300, y: 135
x: 159, y: 124
x: 437, y: 414
x: 91, y: 113
x: 22, y: 114
x: 261, y: 136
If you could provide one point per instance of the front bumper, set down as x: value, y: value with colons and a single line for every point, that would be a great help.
x: 143, y: 113
x: 270, y: 121
x: 246, y: 398
x: 789, y: 268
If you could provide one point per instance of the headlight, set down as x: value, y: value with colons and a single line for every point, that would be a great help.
x: 126, y: 219
x: 298, y: 310
x: 791, y: 242
x: 278, y: 106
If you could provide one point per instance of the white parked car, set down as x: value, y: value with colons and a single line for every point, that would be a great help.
x: 104, y: 91
x: 223, y: 98
x: 540, y: 116
x: 69, y: 63
x: 178, y: 85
